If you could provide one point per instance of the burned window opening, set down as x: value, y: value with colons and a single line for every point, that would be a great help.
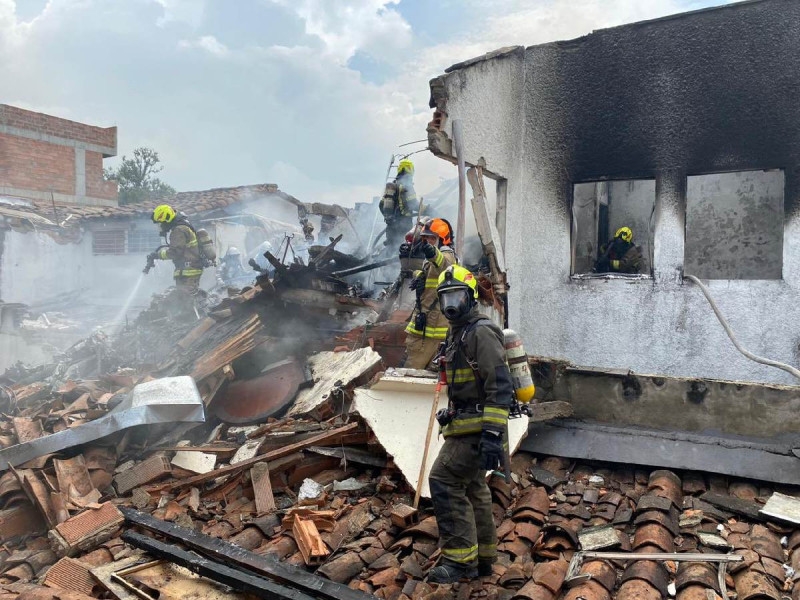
x: 599, y: 210
x: 734, y: 225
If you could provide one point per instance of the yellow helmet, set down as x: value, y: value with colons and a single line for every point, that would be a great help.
x: 163, y: 213
x: 457, y: 292
x: 624, y: 233
x: 456, y: 276
x: 404, y: 166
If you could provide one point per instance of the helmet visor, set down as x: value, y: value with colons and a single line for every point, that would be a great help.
x: 454, y: 303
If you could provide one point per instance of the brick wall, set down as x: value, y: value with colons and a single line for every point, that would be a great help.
x: 40, y: 153
x: 33, y: 165
x: 96, y: 186
x: 12, y: 116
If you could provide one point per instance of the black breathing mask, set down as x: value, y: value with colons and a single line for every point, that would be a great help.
x: 455, y: 303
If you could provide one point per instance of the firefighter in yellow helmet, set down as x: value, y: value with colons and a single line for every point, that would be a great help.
x: 399, y: 204
x: 427, y: 327
x: 621, y: 255
x: 183, y: 248
x: 480, y: 393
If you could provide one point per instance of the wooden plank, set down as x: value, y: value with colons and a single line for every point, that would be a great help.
x: 322, y: 438
x: 734, y: 505
x: 297, y: 577
x: 196, y: 333
x: 262, y: 488
x: 209, y: 449
x: 238, y: 580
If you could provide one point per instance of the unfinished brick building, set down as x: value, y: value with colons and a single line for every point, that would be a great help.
x: 42, y: 155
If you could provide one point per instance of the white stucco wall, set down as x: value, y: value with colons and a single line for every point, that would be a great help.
x: 661, y: 325
x: 37, y: 270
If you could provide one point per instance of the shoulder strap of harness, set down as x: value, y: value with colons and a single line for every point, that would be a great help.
x: 473, y: 362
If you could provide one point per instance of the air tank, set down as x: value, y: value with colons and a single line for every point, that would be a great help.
x: 517, y: 360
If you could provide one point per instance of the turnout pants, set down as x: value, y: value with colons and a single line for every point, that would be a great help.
x: 189, y: 285
x: 420, y: 351
x: 462, y: 503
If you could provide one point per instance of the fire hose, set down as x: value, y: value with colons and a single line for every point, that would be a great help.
x: 729, y: 331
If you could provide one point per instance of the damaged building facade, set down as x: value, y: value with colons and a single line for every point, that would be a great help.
x: 685, y: 129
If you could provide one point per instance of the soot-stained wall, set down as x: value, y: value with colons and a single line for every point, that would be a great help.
x: 704, y: 92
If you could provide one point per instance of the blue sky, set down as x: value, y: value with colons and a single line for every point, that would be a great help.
x: 314, y: 95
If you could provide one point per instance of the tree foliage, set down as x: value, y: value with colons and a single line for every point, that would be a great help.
x: 137, y: 179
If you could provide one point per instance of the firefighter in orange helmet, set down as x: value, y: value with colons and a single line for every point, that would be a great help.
x: 428, y: 327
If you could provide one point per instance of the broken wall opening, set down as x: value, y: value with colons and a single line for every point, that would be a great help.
x: 734, y: 225
x: 600, y: 208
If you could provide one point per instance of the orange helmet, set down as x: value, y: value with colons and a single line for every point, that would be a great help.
x: 440, y: 228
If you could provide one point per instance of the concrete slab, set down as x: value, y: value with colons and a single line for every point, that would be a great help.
x: 749, y: 458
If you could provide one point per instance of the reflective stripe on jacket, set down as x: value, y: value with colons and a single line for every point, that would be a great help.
x: 187, y: 273
x: 481, y: 396
x: 437, y: 325
x: 183, y: 251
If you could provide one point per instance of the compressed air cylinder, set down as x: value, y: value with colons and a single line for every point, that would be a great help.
x: 518, y: 365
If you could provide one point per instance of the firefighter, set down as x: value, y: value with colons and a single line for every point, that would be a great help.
x: 399, y: 204
x: 427, y: 327
x: 621, y: 255
x: 480, y: 393
x: 183, y: 248
x: 231, y: 268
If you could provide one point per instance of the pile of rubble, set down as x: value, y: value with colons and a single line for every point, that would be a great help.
x: 108, y: 462
x: 269, y: 504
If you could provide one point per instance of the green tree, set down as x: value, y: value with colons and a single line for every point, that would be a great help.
x: 137, y: 179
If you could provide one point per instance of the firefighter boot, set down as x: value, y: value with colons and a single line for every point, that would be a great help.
x: 485, y: 567
x: 450, y: 572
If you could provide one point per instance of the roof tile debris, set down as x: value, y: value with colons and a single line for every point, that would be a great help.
x: 317, y: 491
x: 43, y: 213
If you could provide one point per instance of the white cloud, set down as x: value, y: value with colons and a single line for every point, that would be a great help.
x: 236, y: 111
x: 184, y: 11
x: 346, y: 26
x: 208, y: 43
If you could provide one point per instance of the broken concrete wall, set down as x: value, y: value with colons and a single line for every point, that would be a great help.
x: 704, y: 92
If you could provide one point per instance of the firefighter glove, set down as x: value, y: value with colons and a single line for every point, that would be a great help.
x: 428, y: 250
x: 491, y: 450
x: 405, y: 250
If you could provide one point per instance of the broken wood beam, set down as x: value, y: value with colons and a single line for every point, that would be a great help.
x: 234, y: 578
x: 322, y: 438
x: 262, y: 565
x: 750, y: 510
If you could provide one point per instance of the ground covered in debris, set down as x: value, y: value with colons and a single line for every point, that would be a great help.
x: 311, y: 504
x: 322, y: 495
